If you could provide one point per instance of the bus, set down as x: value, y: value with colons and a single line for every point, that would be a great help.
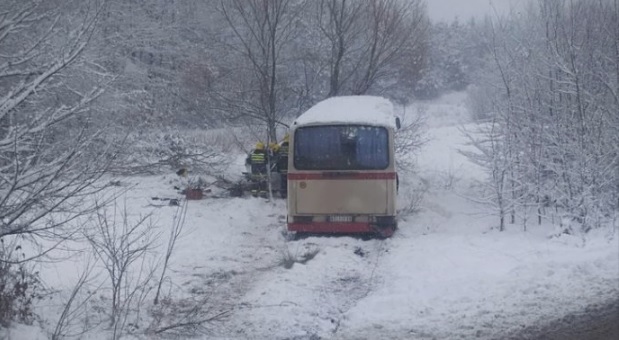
x: 341, y: 168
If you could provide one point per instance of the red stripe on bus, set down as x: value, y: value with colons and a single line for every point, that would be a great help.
x: 341, y: 175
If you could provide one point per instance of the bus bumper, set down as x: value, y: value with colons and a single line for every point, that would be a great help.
x: 331, y: 227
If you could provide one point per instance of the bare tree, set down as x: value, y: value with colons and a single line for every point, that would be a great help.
x: 339, y: 22
x: 121, y: 245
x: 370, y: 42
x: 261, y: 30
x: 43, y: 165
x: 410, y: 137
x: 491, y: 155
x: 73, y: 319
x: 395, y: 30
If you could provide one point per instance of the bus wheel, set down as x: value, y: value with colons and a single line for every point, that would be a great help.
x: 385, y: 231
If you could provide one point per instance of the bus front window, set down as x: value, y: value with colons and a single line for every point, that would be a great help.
x: 341, y: 147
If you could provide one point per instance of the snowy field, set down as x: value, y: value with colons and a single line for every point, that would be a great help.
x: 446, y: 274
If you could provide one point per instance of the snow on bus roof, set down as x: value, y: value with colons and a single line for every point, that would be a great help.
x: 371, y: 110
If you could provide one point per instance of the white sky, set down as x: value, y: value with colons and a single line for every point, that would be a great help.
x: 447, y: 10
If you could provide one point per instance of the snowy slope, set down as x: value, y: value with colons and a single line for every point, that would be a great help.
x: 446, y: 273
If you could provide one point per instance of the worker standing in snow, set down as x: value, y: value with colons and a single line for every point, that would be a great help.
x: 282, y: 166
x: 274, y: 155
x: 258, y: 165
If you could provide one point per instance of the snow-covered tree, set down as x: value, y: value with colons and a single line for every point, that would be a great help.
x: 557, y: 69
x: 43, y: 164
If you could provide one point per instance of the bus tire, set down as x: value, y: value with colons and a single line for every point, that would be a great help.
x: 385, y: 231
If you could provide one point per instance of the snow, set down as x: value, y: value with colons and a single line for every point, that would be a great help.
x: 450, y: 110
x: 446, y: 274
x: 370, y: 110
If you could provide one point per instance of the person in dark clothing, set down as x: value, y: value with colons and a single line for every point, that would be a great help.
x: 282, y: 165
x: 258, y: 165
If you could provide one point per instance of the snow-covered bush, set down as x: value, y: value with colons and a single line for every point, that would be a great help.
x: 156, y: 151
x: 551, y: 141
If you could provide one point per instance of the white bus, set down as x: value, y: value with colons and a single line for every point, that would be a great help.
x: 341, y: 167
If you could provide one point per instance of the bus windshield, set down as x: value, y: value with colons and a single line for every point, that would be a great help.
x: 341, y: 147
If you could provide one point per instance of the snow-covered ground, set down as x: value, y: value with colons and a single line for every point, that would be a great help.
x: 446, y: 273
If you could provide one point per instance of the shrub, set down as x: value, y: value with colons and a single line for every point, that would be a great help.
x: 19, y: 288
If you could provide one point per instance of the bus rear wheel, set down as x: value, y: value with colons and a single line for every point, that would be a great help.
x: 385, y: 231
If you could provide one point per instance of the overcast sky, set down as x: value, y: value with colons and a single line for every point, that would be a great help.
x: 447, y: 10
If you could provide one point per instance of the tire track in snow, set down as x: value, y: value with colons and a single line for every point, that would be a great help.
x: 346, y: 287
x: 222, y: 279
x: 352, y: 302
x: 310, y: 300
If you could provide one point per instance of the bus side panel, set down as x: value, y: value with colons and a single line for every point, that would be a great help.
x: 335, y: 197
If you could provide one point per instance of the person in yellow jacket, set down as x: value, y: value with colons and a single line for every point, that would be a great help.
x: 258, y: 165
